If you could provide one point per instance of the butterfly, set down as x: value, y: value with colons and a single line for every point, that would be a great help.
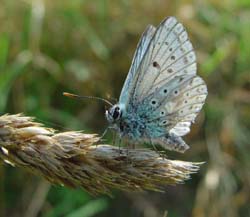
x: 162, y: 94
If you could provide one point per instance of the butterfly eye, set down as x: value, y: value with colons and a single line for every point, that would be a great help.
x: 116, y: 113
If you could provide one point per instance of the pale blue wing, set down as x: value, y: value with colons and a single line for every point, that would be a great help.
x: 169, y: 54
x: 138, y: 56
x: 166, y: 89
x: 175, y: 104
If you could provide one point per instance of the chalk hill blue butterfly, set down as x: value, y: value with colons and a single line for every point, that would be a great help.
x: 162, y: 94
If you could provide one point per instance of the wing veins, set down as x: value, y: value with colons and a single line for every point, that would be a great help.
x: 159, y: 73
x: 176, y: 112
x: 179, y: 59
x: 173, y: 75
x: 186, y: 90
x: 162, y: 70
x: 153, y: 40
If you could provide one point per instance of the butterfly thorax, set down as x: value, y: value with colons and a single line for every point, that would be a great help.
x: 132, y: 124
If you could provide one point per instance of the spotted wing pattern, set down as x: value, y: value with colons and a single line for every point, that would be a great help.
x: 168, y: 91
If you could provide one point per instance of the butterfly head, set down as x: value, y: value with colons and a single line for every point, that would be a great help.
x: 113, y: 114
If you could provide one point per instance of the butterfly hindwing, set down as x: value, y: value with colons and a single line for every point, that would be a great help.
x: 177, y: 103
x: 188, y: 105
x: 172, y: 108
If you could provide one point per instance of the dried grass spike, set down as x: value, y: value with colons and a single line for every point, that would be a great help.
x: 73, y: 159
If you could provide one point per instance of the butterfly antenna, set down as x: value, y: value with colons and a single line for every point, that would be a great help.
x: 86, y: 97
x: 113, y: 99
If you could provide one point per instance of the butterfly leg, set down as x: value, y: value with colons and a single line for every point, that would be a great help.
x: 119, y: 144
x: 129, y: 160
x: 114, y: 138
x: 127, y: 152
x: 103, y: 134
x: 154, y: 147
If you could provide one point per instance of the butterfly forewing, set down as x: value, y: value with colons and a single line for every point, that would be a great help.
x: 168, y: 54
x: 139, y: 54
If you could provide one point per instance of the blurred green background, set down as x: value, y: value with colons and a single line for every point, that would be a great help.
x: 86, y: 47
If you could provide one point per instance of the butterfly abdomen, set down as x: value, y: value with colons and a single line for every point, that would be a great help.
x: 171, y: 142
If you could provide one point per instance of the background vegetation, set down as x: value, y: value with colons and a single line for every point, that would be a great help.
x: 86, y: 47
